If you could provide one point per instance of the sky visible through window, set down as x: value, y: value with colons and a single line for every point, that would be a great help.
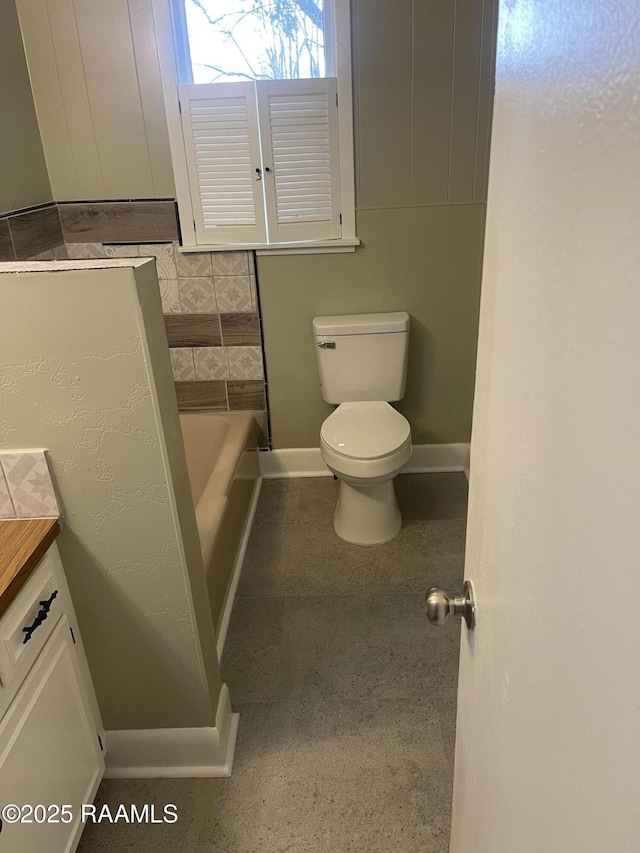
x: 240, y: 40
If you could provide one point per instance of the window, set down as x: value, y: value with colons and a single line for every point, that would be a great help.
x: 258, y: 100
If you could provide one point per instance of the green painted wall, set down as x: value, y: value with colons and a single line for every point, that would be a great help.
x: 423, y: 260
x: 23, y: 172
x: 422, y: 109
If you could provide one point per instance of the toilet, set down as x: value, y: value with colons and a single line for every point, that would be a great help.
x: 365, y: 442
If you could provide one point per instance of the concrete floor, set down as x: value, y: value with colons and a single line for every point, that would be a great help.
x: 346, y: 694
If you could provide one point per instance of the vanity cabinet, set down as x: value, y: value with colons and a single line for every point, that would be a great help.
x: 51, y: 738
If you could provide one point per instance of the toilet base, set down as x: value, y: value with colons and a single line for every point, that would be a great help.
x: 367, y: 515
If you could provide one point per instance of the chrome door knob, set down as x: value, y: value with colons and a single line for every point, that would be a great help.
x: 439, y: 606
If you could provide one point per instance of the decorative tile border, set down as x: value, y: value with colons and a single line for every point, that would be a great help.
x: 28, y: 480
x: 6, y: 504
x: 31, y: 232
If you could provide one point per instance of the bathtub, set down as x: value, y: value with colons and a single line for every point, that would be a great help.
x: 222, y: 460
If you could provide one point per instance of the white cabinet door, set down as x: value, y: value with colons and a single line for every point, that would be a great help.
x: 49, y: 749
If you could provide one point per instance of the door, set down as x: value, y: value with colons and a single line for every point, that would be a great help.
x: 49, y: 752
x: 548, y: 742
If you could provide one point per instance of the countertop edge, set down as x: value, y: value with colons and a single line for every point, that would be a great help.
x: 28, y: 564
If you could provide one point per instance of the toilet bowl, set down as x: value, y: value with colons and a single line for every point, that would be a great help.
x: 366, y: 444
x: 362, y: 365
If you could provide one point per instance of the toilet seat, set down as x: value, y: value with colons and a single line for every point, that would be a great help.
x: 365, y: 431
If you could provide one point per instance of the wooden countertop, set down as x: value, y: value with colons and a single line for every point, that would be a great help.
x: 23, y: 543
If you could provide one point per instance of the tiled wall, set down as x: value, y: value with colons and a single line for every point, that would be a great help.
x: 26, y: 486
x: 211, y: 310
x: 209, y: 299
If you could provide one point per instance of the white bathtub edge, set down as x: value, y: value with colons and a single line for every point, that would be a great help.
x: 237, y: 569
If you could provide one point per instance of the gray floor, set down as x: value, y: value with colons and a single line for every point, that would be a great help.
x: 346, y: 694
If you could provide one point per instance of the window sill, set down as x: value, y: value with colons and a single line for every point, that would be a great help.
x: 348, y: 244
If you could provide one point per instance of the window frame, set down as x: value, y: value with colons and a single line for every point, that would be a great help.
x: 175, y: 68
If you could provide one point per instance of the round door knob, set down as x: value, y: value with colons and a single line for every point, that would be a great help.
x: 439, y: 606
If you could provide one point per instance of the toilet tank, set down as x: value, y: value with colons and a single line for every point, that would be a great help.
x: 362, y: 356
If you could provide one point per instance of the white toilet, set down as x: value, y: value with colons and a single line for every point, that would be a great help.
x: 362, y: 362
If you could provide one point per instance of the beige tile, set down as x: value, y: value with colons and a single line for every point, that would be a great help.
x: 170, y: 296
x: 30, y: 484
x: 197, y: 295
x: 182, y: 364
x: 233, y: 293
x: 193, y: 264
x: 123, y: 250
x: 211, y: 363
x: 85, y: 251
x: 245, y: 363
x: 230, y: 263
x: 6, y: 505
x: 165, y: 258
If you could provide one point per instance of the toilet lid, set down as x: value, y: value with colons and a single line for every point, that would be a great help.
x: 365, y: 430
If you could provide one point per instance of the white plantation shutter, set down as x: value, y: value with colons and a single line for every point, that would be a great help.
x: 220, y: 127
x: 299, y: 136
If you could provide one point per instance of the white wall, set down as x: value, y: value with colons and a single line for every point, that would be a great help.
x: 548, y: 745
x: 86, y: 374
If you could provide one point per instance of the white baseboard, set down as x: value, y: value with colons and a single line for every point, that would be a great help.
x: 237, y: 569
x: 307, y: 461
x: 175, y: 753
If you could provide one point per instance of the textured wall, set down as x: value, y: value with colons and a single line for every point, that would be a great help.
x: 23, y: 173
x: 86, y: 374
x: 547, y: 739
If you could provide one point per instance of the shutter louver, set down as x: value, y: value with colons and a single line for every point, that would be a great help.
x: 299, y: 135
x: 220, y: 126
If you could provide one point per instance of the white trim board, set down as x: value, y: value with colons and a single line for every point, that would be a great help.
x: 307, y: 461
x: 237, y: 569
x: 175, y: 753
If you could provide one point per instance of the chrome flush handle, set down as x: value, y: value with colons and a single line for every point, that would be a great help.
x: 327, y: 344
x: 439, y: 606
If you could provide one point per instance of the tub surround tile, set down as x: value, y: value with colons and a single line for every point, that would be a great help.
x: 6, y: 504
x: 240, y: 329
x: 6, y: 246
x: 60, y: 253
x: 121, y: 251
x: 245, y: 363
x: 233, y: 292
x: 197, y: 295
x: 118, y: 222
x: 201, y: 396
x: 182, y: 364
x: 170, y: 296
x: 165, y: 258
x: 193, y: 330
x: 194, y: 264
x: 211, y: 363
x: 230, y: 263
x: 263, y: 429
x: 246, y: 395
x: 85, y: 251
x: 30, y: 484
x: 35, y: 232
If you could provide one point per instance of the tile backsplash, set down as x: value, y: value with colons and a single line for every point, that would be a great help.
x: 26, y: 486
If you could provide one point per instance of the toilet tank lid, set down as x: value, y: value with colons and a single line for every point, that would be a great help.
x: 361, y: 324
